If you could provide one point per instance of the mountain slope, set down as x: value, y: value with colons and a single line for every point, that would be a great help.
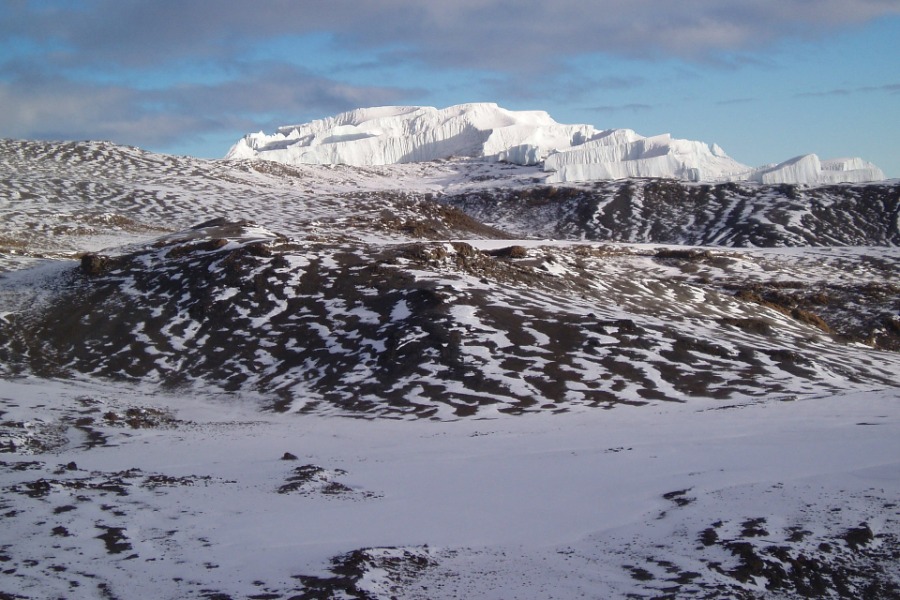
x: 671, y: 212
x: 445, y: 329
x: 62, y: 199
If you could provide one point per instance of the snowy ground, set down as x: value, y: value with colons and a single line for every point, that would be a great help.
x: 781, y: 483
x: 593, y: 503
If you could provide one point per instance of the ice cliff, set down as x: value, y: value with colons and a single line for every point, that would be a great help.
x: 401, y: 134
x: 621, y: 153
x: 809, y: 169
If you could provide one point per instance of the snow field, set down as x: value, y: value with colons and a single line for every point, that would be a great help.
x: 588, y: 485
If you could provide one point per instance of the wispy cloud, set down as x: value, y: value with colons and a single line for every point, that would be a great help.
x: 615, y: 83
x: 562, y: 86
x: 733, y: 101
x: 825, y: 94
x: 892, y: 88
x: 632, y: 107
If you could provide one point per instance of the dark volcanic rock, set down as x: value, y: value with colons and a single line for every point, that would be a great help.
x: 426, y: 329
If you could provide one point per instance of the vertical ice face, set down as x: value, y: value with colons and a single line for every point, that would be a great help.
x: 809, y: 169
x: 401, y: 134
x: 387, y: 135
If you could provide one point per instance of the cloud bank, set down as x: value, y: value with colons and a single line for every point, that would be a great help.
x: 490, y: 34
x: 97, y: 68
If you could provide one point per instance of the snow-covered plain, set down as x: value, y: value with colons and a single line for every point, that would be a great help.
x: 402, y: 134
x: 543, y: 506
x: 777, y: 477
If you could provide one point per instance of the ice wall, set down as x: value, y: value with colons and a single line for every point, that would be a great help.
x: 388, y: 135
x: 622, y: 153
x: 400, y: 134
x: 809, y: 169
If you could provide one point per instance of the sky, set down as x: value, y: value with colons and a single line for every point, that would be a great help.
x: 767, y: 80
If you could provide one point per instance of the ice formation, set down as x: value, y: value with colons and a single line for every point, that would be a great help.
x: 809, y: 169
x: 403, y: 134
x: 621, y: 153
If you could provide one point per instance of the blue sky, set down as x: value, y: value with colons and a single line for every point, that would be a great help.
x: 767, y: 80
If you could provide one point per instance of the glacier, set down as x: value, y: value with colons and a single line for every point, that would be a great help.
x: 622, y: 153
x: 402, y: 134
x: 809, y: 169
x: 485, y: 131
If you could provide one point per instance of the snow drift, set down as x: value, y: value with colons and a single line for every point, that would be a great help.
x: 569, y: 153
